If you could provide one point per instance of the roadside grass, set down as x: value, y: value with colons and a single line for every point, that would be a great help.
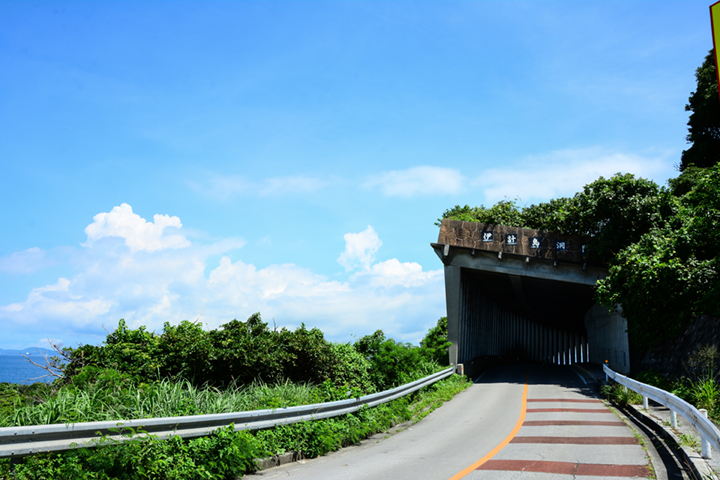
x: 620, y: 395
x: 165, y: 398
x: 227, y: 454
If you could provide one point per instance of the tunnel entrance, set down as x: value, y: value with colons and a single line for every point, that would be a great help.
x: 524, y: 294
x: 514, y: 316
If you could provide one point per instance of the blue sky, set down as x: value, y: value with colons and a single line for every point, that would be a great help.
x: 165, y: 160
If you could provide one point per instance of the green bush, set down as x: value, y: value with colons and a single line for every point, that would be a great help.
x: 435, y: 345
x: 237, y: 352
x: 393, y: 363
x: 654, y: 379
x: 620, y: 395
x: 223, y: 454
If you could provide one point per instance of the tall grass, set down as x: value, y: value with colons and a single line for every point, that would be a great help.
x: 165, y: 398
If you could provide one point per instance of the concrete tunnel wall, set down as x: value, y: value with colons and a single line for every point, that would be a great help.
x: 608, y: 338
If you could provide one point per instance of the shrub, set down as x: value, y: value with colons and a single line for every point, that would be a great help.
x: 435, y: 345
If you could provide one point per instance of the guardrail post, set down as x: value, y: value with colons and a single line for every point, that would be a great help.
x: 645, y: 403
x: 706, y: 451
x: 673, y: 419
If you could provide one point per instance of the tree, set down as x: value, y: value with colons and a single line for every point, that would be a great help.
x: 672, y: 273
x: 704, y: 122
x: 435, y: 345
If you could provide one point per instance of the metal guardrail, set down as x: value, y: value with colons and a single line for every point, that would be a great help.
x: 698, y: 418
x: 20, y: 441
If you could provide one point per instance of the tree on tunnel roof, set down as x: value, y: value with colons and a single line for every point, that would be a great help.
x: 615, y: 212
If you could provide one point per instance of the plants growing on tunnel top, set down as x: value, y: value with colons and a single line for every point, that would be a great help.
x: 615, y: 212
x: 505, y: 212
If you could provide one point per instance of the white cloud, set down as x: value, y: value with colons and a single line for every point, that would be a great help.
x: 565, y: 172
x: 391, y: 273
x: 228, y: 186
x: 56, y: 302
x: 27, y: 261
x: 139, y: 234
x: 291, y: 184
x: 152, y: 286
x: 360, y: 249
x: 423, y: 180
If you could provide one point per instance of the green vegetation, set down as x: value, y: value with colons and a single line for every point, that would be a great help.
x: 703, y: 126
x: 620, y: 395
x: 227, y: 454
x: 661, y: 244
x: 241, y: 366
x: 699, y: 385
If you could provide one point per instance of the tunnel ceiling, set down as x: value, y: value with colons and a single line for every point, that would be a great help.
x: 560, y: 305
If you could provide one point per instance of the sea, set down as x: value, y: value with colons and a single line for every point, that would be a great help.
x: 15, y: 368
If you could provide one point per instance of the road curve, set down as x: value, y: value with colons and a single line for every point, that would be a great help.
x: 489, y: 431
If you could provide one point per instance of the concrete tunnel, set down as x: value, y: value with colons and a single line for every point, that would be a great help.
x: 515, y: 293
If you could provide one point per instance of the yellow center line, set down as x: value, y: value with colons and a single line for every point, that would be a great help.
x: 502, y: 444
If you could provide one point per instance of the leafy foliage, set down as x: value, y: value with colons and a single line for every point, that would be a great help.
x: 704, y: 123
x: 673, y: 272
x: 620, y: 395
x: 223, y: 454
x: 392, y: 363
x: 614, y: 212
x: 435, y: 345
x: 662, y: 246
x: 237, y: 352
x: 505, y: 212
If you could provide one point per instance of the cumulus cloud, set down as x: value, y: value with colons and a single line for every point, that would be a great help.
x: 391, y: 273
x: 360, y: 249
x: 26, y: 261
x: 148, y: 286
x: 138, y: 233
x: 565, y: 172
x: 423, y: 180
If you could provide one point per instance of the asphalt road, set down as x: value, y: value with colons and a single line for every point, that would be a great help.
x: 498, y: 429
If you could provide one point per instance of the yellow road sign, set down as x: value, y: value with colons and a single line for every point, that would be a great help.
x: 715, y: 22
